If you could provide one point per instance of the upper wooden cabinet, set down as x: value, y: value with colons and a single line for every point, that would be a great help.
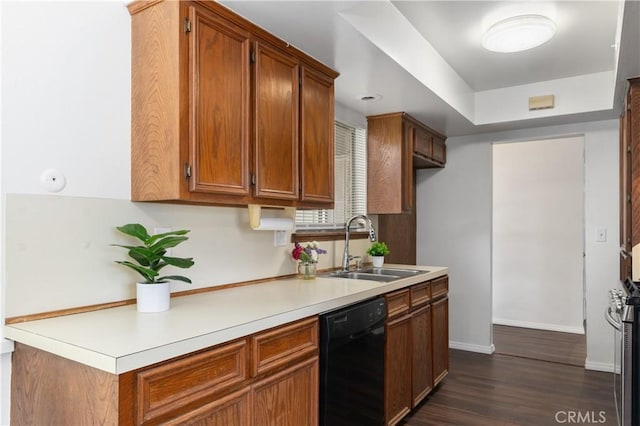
x: 224, y: 112
x: 396, y: 145
x: 629, y: 177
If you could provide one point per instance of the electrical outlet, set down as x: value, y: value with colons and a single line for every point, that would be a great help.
x: 280, y: 238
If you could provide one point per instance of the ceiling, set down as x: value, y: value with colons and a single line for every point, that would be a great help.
x: 425, y: 58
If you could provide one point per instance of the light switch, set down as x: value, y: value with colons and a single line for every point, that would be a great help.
x: 601, y: 235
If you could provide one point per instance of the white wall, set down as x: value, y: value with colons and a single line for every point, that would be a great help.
x: 454, y: 229
x: 5, y: 346
x: 65, y: 68
x: 537, y: 234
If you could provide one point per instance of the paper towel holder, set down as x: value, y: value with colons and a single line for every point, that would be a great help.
x: 257, y: 223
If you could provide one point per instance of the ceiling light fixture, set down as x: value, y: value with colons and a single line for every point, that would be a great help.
x: 371, y: 98
x: 518, y: 33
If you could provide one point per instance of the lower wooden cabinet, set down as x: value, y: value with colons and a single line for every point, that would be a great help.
x: 440, y: 327
x: 417, y: 345
x: 268, y: 378
x: 397, y: 371
x: 422, y: 353
x: 215, y: 386
x: 289, y: 397
x: 233, y: 409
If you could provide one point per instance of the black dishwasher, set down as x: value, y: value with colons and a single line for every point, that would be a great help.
x: 352, y: 364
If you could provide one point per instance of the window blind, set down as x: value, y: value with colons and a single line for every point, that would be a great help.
x: 350, y: 182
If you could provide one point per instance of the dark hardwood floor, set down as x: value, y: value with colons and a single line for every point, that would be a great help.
x: 565, y: 348
x: 505, y: 390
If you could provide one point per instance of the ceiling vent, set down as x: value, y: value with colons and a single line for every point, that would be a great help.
x: 541, y: 102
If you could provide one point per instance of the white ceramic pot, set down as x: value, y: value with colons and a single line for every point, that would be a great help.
x: 378, y: 261
x: 153, y: 297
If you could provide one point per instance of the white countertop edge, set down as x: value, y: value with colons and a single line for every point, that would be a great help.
x: 129, y: 362
x: 6, y: 346
x: 65, y: 350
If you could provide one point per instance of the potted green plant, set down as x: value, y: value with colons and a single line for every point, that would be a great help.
x: 153, y: 293
x: 378, y: 251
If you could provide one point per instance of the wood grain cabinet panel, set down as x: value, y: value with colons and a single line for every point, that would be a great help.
x: 50, y: 390
x: 420, y: 294
x: 422, y: 143
x: 387, y: 165
x: 398, y: 303
x: 208, y: 387
x: 224, y: 112
x: 633, y: 131
x: 170, y: 386
x: 396, y: 145
x: 289, y: 398
x: 276, y: 135
x: 439, y: 287
x: 440, y: 333
x: 317, y: 138
x: 397, y: 374
x: 422, y: 352
x: 629, y: 176
x: 416, y: 347
x: 233, y: 409
x: 439, y: 150
x: 280, y: 346
x: 219, y: 110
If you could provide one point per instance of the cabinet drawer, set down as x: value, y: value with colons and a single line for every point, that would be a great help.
x: 173, y: 385
x: 397, y: 303
x: 420, y: 294
x: 277, y: 347
x: 439, y: 287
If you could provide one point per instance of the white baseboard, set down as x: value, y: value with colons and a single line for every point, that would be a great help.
x: 539, y: 326
x: 472, y: 348
x: 599, y: 366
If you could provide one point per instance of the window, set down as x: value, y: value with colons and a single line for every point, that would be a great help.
x: 350, y: 182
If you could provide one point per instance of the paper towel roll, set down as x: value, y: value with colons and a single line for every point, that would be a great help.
x: 274, y: 224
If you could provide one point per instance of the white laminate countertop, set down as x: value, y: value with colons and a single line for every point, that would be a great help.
x: 120, y: 339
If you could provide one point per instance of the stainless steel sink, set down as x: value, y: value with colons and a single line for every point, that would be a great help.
x: 376, y: 274
x: 403, y: 273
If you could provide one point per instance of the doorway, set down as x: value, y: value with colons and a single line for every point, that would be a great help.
x: 538, y: 246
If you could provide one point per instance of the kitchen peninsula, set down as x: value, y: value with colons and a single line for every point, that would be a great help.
x: 226, y: 350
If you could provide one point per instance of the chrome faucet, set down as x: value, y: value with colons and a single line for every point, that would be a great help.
x: 372, y: 236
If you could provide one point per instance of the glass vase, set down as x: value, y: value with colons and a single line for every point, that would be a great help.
x: 307, y: 270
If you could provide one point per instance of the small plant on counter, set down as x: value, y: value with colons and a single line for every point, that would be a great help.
x: 307, y: 252
x: 378, y: 249
x: 151, y: 256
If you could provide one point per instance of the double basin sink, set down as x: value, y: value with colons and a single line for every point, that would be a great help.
x: 384, y: 275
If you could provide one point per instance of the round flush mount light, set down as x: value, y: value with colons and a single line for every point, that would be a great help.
x: 518, y: 33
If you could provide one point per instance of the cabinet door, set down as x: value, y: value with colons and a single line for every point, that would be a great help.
x: 289, y: 398
x: 633, y: 135
x: 440, y: 338
x: 276, y: 124
x: 232, y: 409
x: 422, y: 374
x: 397, y: 371
x: 317, y: 134
x: 219, y: 55
x: 408, y: 136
